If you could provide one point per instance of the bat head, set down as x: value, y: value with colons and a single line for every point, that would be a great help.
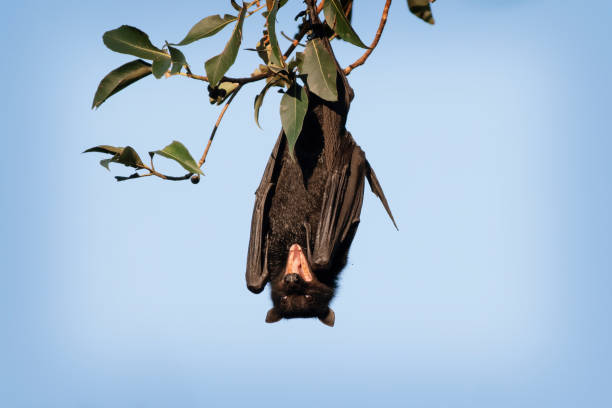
x: 298, y: 293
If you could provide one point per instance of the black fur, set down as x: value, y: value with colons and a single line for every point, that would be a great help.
x: 313, y: 200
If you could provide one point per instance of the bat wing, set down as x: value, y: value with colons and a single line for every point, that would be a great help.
x: 377, y: 189
x: 341, y: 208
x: 257, y: 269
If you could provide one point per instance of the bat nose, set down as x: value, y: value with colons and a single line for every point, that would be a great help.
x: 292, y: 278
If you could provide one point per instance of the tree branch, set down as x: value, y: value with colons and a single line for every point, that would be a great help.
x: 313, y: 10
x: 239, y: 81
x: 214, y: 131
x: 381, y: 27
x: 153, y: 172
x: 296, y: 41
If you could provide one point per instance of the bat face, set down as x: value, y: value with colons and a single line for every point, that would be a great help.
x: 297, y: 292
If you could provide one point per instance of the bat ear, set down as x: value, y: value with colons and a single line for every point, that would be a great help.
x: 330, y: 319
x: 273, y: 316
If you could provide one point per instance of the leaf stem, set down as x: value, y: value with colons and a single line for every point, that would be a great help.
x: 152, y: 154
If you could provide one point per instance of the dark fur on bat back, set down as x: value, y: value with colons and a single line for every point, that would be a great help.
x: 298, y: 194
x: 312, y: 199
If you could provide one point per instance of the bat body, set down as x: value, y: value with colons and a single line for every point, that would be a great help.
x: 307, y: 210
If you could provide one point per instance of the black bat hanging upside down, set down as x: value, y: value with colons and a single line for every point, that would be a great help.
x: 307, y: 211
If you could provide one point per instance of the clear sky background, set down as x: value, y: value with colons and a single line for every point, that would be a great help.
x: 490, y: 133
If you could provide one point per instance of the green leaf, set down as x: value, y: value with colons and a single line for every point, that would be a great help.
x: 130, y: 40
x: 207, y: 27
x: 179, y: 153
x: 104, y: 163
x: 334, y: 14
x: 319, y: 65
x: 270, y: 4
x: 422, y: 10
x: 216, y: 67
x: 120, y: 78
x: 124, y: 155
x: 178, y: 59
x: 262, y: 51
x: 128, y: 157
x: 275, y: 55
x: 105, y: 149
x: 161, y: 66
x: 296, y: 62
x: 293, y: 107
x: 260, y: 98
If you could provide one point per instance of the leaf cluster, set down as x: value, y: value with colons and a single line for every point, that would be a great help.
x: 314, y: 70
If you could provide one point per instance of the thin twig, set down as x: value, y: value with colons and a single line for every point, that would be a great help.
x: 381, y: 27
x: 172, y: 178
x: 239, y: 81
x: 348, y: 9
x: 214, y: 131
x: 293, y: 41
x: 296, y: 41
x: 256, y: 10
x: 153, y: 172
x: 305, y: 28
x: 131, y: 177
x: 313, y: 10
x: 320, y: 7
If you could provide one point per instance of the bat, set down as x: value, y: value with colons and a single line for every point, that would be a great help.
x: 307, y: 210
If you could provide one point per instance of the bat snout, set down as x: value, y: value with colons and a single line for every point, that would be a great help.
x: 292, y: 279
x: 297, y: 264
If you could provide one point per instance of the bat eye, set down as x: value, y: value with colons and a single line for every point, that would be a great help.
x: 283, y: 299
x: 308, y: 298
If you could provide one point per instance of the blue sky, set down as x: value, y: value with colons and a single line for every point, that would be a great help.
x: 490, y: 133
